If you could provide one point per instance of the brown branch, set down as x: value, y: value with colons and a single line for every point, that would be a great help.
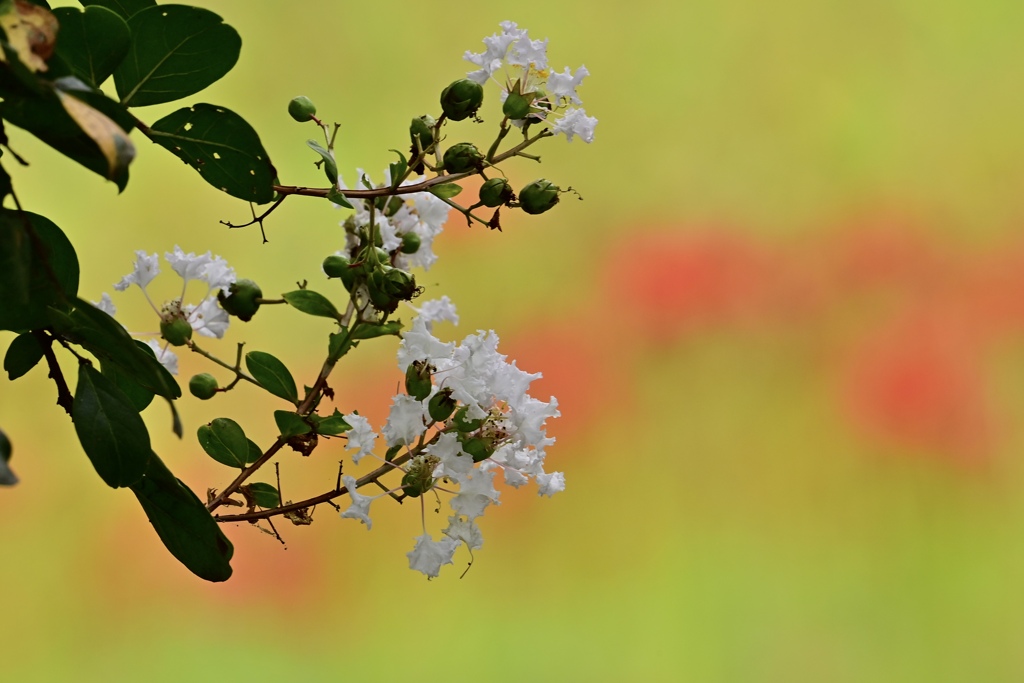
x: 218, y: 500
x: 64, y: 397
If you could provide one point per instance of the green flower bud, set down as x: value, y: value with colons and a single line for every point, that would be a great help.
x: 399, y: 284
x: 203, y: 386
x: 417, y: 380
x: 241, y: 299
x: 177, y: 331
x: 462, y: 157
x: 465, y: 425
x: 538, y: 196
x: 478, y: 447
x: 496, y: 192
x: 336, y: 265
x: 461, y: 99
x: 301, y: 109
x: 516, y: 106
x: 411, y: 243
x: 422, y: 129
x: 441, y: 406
x: 377, y: 285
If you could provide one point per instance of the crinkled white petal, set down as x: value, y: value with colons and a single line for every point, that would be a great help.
x: 360, y: 507
x: 188, y: 266
x: 428, y: 555
x: 106, y: 304
x: 550, y: 484
x: 454, y: 462
x: 361, y: 437
x: 146, y: 267
x: 208, y: 318
x: 438, y: 310
x: 464, y: 530
x: 563, y: 85
x: 476, y: 492
x: 576, y: 122
x: 405, y: 421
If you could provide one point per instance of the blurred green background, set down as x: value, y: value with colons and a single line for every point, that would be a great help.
x: 784, y: 328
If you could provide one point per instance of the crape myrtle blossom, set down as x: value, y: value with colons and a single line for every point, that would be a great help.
x: 205, y: 317
x: 524, y: 64
x: 496, y: 427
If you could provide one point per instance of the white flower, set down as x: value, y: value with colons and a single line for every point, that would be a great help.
x: 454, y: 462
x: 437, y: 310
x: 208, y: 318
x: 464, y: 530
x: 360, y: 507
x: 576, y: 122
x: 164, y: 354
x: 550, y: 484
x: 476, y: 492
x: 146, y: 268
x: 563, y: 85
x: 360, y: 437
x: 106, y: 304
x: 405, y: 421
x: 428, y: 555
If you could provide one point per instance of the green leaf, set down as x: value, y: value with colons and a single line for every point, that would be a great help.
x: 139, y: 396
x: 225, y: 441
x: 38, y: 268
x: 222, y: 147
x: 264, y: 495
x: 92, y: 42
x: 22, y: 355
x: 331, y: 425
x: 7, y: 477
x: 183, y: 523
x: 176, y: 51
x: 329, y: 166
x: 110, y: 430
x: 290, y: 424
x: 73, y: 124
x: 126, y: 9
x: 272, y: 375
x: 255, y: 452
x: 397, y: 168
x: 338, y: 345
x: 335, y: 196
x: 368, y: 331
x: 308, y: 301
x: 104, y: 337
x: 445, y: 190
x: 176, y: 427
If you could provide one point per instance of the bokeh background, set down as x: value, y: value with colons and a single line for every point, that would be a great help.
x: 784, y: 328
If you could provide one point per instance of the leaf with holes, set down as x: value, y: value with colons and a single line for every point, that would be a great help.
x: 92, y: 42
x: 225, y: 150
x: 176, y: 51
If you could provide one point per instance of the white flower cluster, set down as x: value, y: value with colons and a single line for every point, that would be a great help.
x: 525, y: 60
x: 419, y: 213
x: 207, y: 317
x: 494, y: 411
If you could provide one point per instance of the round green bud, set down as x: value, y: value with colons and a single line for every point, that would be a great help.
x: 301, y: 109
x: 399, y: 284
x: 478, y: 447
x: 422, y: 129
x: 463, y: 424
x: 496, y: 192
x: 538, y: 196
x: 516, y: 106
x: 461, y: 99
x: 441, y: 406
x: 462, y: 157
x: 417, y: 380
x: 377, y: 285
x: 241, y: 299
x: 411, y: 243
x: 336, y: 265
x: 177, y: 331
x: 203, y: 386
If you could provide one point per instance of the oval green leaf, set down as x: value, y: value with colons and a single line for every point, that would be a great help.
x: 225, y: 441
x: 290, y: 424
x: 222, y: 147
x: 329, y: 165
x: 272, y: 375
x: 176, y: 51
x: 38, y: 269
x: 332, y: 425
x: 313, y: 303
x: 92, y: 42
x: 22, y: 355
x: 126, y: 9
x: 255, y: 452
x: 183, y: 523
x: 445, y: 190
x: 261, y: 494
x: 110, y: 430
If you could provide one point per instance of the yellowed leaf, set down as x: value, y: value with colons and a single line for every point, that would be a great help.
x: 108, y: 136
x: 32, y: 32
